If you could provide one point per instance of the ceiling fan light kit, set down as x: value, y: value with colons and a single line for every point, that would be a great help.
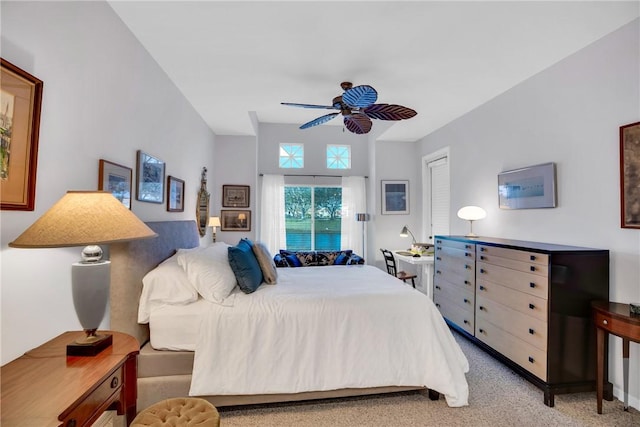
x: 357, y: 106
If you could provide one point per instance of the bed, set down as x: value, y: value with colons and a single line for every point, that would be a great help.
x: 240, y: 373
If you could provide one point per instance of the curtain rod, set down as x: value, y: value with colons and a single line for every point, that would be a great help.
x: 316, y: 175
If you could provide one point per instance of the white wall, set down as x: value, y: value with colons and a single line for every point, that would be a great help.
x: 104, y: 97
x: 568, y: 114
x: 236, y: 163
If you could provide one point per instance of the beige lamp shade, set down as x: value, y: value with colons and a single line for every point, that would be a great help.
x: 84, y: 218
x: 214, y: 221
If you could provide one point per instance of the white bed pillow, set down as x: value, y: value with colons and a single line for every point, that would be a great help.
x: 209, y: 271
x: 166, y: 284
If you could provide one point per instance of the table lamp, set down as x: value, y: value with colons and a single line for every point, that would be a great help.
x: 214, y: 222
x: 471, y: 213
x: 89, y: 218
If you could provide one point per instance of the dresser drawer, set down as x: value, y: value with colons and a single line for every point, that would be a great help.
x: 525, y: 303
x: 97, y: 401
x: 462, y: 296
x: 455, y: 253
x: 444, y: 243
x: 524, y: 354
x: 452, y: 312
x: 514, y: 254
x: 529, y: 283
x: 463, y: 273
x: 524, y: 266
x: 527, y: 328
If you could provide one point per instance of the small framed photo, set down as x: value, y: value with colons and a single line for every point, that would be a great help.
x: 629, y: 177
x: 235, y: 196
x: 175, y: 194
x: 150, y: 178
x: 395, y: 197
x: 116, y: 179
x: 235, y: 220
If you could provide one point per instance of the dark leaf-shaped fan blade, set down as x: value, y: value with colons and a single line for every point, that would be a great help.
x: 320, y: 120
x: 360, y: 96
x: 389, y: 112
x: 321, y: 107
x: 358, y: 123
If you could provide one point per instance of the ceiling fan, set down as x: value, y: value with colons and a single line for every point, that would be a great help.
x: 357, y: 105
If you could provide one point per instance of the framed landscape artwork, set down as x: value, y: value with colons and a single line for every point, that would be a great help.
x: 150, y: 186
x: 116, y: 179
x: 630, y: 175
x: 20, y: 104
x: 395, y: 197
x: 528, y: 188
x: 175, y: 194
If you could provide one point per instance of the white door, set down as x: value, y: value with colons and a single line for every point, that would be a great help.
x: 436, y: 197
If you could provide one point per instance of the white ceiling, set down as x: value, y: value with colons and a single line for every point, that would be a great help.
x: 238, y: 60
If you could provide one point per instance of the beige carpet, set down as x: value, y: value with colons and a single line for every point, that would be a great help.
x: 497, y: 397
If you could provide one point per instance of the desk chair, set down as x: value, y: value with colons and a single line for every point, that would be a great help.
x: 390, y: 261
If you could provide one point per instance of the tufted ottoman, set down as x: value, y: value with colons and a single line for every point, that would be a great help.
x: 179, y: 412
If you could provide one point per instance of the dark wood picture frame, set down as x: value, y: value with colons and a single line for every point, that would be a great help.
x: 20, y: 110
x: 150, y: 178
x: 175, y: 194
x: 235, y: 196
x: 233, y: 220
x: 115, y: 179
x: 630, y: 175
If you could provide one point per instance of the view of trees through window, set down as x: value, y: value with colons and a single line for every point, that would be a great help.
x: 313, y: 217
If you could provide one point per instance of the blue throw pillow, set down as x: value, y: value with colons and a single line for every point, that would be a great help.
x: 245, y: 266
x: 343, y: 257
x: 291, y: 258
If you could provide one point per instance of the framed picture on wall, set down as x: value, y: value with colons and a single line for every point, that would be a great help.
x: 235, y: 196
x: 630, y: 175
x: 116, y: 179
x: 395, y: 197
x: 235, y: 220
x: 150, y: 186
x: 528, y: 188
x: 175, y: 194
x: 20, y: 104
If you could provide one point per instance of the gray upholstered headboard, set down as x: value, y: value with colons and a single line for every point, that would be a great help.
x: 130, y: 261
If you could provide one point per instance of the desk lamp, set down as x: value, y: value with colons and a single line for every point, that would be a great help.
x: 89, y: 218
x: 405, y: 233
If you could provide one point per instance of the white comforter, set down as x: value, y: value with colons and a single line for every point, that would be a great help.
x: 327, y: 328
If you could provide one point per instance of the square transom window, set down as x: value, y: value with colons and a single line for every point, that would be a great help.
x: 338, y: 157
x: 291, y: 156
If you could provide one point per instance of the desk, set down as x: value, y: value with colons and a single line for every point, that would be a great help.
x: 425, y: 264
x: 47, y: 388
x: 613, y: 318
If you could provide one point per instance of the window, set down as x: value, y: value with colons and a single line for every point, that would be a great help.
x: 338, y: 157
x: 313, y: 217
x: 292, y: 156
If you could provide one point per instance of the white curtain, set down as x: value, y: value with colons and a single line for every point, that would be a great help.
x: 354, y: 201
x: 272, y: 226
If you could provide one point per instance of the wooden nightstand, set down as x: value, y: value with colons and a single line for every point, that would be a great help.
x: 613, y: 318
x: 46, y: 388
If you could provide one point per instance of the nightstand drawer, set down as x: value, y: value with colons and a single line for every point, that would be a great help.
x: 617, y: 327
x: 97, y: 401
